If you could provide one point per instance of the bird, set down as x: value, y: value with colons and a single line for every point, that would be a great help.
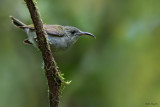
x: 59, y: 37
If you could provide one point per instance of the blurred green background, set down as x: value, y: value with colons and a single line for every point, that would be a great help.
x: 121, y: 68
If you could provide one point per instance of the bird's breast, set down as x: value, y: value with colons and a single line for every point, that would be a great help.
x: 59, y: 43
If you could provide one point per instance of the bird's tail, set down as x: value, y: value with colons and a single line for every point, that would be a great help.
x: 17, y: 22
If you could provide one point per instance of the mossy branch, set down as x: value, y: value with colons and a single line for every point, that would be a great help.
x: 51, y: 69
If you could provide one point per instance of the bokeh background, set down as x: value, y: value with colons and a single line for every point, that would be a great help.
x: 121, y: 68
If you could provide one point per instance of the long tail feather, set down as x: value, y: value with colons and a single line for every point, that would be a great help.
x: 17, y: 22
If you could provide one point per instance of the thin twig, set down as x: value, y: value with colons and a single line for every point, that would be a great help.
x: 54, y: 81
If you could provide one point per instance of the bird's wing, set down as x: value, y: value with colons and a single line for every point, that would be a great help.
x: 53, y: 30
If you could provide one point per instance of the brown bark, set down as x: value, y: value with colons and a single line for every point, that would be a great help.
x: 51, y: 71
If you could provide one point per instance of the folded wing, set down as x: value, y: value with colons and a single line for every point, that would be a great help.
x: 52, y: 30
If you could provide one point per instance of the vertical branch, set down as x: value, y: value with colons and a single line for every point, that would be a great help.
x: 51, y: 71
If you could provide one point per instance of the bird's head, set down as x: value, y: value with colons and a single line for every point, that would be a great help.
x: 75, y: 33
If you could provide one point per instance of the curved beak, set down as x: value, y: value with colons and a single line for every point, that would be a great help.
x: 87, y: 33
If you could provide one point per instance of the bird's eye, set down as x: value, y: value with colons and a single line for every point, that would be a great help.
x: 72, y: 31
